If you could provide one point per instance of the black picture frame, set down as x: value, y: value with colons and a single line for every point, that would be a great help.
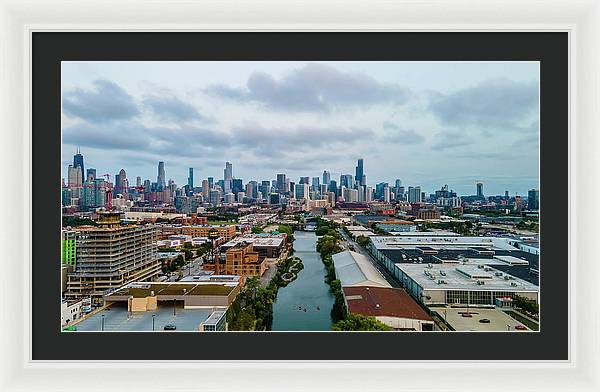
x: 549, y: 48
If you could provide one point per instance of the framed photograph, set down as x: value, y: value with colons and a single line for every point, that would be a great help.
x: 312, y: 200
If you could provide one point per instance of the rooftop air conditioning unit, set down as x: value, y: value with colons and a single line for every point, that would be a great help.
x: 514, y: 284
x: 480, y: 266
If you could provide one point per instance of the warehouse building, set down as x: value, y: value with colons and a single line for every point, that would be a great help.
x: 420, y: 249
x: 354, y: 269
x: 461, y: 284
x: 393, y: 307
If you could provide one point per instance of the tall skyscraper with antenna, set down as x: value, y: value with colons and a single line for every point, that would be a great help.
x: 78, y: 162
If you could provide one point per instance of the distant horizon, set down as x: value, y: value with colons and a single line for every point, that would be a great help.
x: 426, y: 123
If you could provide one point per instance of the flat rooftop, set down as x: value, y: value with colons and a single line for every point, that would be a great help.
x: 145, y: 289
x: 499, y: 321
x: 257, y: 241
x: 439, y: 242
x: 118, y: 319
x: 464, y: 277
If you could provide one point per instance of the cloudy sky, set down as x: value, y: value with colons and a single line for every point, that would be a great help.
x: 426, y: 123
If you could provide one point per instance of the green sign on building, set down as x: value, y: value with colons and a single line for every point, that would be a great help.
x: 69, y: 252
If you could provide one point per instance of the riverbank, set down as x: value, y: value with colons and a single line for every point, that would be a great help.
x: 305, y: 303
x: 253, y: 308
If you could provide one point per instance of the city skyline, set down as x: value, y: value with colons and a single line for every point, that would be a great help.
x: 404, y: 119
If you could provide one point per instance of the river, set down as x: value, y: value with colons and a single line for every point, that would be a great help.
x: 309, y: 291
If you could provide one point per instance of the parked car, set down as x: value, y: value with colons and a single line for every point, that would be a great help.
x: 170, y: 327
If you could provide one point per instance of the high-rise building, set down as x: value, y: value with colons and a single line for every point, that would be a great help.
x: 346, y: 180
x: 506, y: 195
x: 138, y: 181
x: 90, y: 175
x: 190, y: 181
x: 205, y: 189
x: 326, y: 177
x: 360, y: 172
x: 280, y: 187
x: 302, y: 191
x: 533, y: 199
x: 121, y: 183
x: 350, y: 195
x: 227, y: 176
x: 250, y: 188
x: 78, y: 162
x: 303, y: 180
x: 74, y: 179
x: 315, y: 184
x: 160, y: 178
x: 386, y: 194
x: 480, y: 190
x: 414, y: 194
x: 237, y: 185
x: 110, y: 256
x: 215, y: 197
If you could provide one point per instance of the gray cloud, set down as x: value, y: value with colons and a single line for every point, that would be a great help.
x: 314, y: 87
x: 124, y: 136
x: 446, y: 140
x: 171, y: 108
x: 494, y: 105
x: 105, y: 102
x: 274, y: 140
x: 396, y: 134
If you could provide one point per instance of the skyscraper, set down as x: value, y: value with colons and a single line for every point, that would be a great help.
x: 480, y: 190
x: 360, y: 172
x: 78, y: 162
x: 160, y: 179
x: 326, y: 177
x: 346, y: 180
x: 303, y: 180
x: 280, y: 187
x: 414, y: 194
x: 533, y: 199
x: 91, y: 175
x: 205, y: 189
x: 191, y: 178
x: 227, y: 176
x: 315, y: 184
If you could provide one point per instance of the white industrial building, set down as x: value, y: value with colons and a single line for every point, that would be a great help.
x: 354, y: 269
x: 461, y: 283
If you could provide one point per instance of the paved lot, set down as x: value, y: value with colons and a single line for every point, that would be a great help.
x: 118, y: 319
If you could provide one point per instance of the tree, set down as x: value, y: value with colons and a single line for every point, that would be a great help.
x: 257, y: 230
x: 362, y: 241
x: 252, y: 285
x: 359, y: 322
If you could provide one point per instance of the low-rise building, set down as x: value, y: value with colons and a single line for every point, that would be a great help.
x: 243, y: 260
x: 461, y: 284
x: 70, y: 311
x: 267, y: 245
x: 355, y: 269
x: 393, y: 307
